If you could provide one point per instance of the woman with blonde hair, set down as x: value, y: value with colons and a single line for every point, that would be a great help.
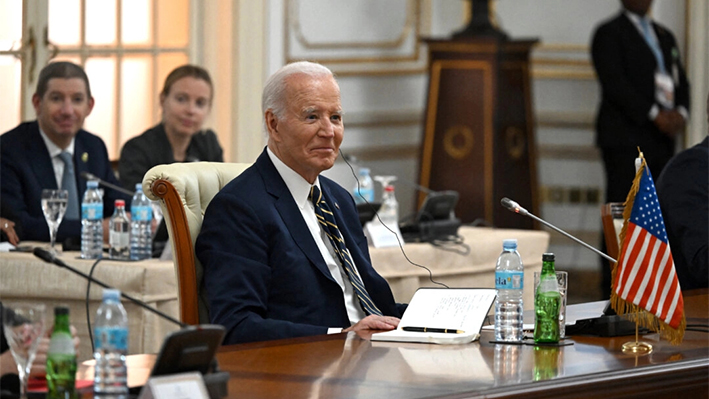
x: 186, y: 100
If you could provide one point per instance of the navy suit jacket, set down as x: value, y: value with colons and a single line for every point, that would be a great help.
x: 26, y: 169
x: 626, y: 66
x: 264, y: 276
x: 683, y: 192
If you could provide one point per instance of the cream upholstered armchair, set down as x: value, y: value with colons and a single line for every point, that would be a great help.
x: 184, y: 191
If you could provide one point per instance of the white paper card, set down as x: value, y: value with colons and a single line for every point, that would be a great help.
x: 177, y: 386
x: 380, y: 237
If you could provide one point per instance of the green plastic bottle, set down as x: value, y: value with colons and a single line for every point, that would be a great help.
x: 61, y: 358
x: 547, y: 302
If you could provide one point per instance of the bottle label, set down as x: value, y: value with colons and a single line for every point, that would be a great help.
x: 119, y: 239
x: 93, y: 211
x: 141, y: 213
x: 111, y: 338
x: 509, y: 280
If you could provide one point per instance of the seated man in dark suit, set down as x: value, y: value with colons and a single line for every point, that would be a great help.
x: 52, y: 152
x: 275, y: 265
x: 683, y: 191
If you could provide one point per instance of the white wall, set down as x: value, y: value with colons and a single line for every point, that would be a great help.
x: 374, y: 48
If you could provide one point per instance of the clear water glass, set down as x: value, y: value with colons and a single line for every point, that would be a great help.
x: 24, y: 328
x: 54, y: 204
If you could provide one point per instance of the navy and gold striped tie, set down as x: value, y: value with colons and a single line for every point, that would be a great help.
x: 329, y: 225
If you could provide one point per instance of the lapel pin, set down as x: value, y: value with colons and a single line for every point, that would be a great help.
x: 85, y: 157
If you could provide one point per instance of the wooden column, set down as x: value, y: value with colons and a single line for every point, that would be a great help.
x: 479, y: 129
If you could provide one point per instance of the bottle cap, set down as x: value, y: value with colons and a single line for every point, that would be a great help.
x: 112, y: 294
x: 548, y: 257
x: 120, y: 202
x: 61, y: 310
x: 509, y: 243
x: 138, y: 186
x: 92, y: 184
x: 363, y: 171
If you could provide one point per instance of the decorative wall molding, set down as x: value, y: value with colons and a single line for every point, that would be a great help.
x: 402, y: 54
x: 574, y: 120
x: 568, y: 152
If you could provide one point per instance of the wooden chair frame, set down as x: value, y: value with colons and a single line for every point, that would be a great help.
x: 609, y: 212
x: 185, y: 190
x: 183, y: 250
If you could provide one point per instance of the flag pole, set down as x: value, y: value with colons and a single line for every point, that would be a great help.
x: 637, y: 347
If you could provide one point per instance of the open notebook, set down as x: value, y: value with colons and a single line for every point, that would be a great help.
x: 461, y: 309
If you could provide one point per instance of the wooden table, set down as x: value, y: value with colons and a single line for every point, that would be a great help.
x: 347, y: 366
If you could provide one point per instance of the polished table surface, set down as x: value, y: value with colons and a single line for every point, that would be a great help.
x: 349, y: 366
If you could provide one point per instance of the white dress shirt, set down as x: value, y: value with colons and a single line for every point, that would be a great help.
x: 54, y: 152
x: 300, y: 190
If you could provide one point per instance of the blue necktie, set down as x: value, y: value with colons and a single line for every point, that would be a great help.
x: 69, y: 184
x: 329, y: 225
x: 654, y: 45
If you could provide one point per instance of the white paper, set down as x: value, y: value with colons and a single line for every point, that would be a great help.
x: 453, y: 308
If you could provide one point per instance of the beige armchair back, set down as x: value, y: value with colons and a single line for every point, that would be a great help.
x: 184, y: 191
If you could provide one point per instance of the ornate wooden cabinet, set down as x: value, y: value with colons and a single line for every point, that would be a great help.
x: 479, y: 128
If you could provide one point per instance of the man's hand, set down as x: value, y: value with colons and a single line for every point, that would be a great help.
x: 671, y: 122
x: 373, y: 322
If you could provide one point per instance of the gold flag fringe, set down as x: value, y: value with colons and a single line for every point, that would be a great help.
x: 630, y: 310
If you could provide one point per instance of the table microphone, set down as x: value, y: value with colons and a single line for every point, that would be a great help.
x: 607, y: 325
x: 89, y: 176
x: 516, y: 208
x: 49, y: 257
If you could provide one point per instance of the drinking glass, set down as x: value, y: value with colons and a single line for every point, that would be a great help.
x: 24, y: 328
x: 54, y: 204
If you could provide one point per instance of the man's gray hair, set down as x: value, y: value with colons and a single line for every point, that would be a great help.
x: 274, y: 92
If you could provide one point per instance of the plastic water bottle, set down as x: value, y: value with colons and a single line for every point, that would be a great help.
x: 119, y: 233
x: 92, y: 222
x: 509, y: 282
x: 61, y: 358
x: 111, y: 346
x: 389, y: 211
x: 365, y: 188
x: 141, y: 235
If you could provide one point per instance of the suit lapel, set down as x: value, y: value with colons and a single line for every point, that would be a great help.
x: 290, y: 214
x: 42, y: 165
x: 641, y: 46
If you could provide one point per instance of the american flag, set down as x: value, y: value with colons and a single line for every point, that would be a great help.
x: 645, y: 277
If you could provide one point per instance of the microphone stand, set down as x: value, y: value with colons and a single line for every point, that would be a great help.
x: 516, y: 208
x: 50, y: 258
x: 606, y: 325
x: 89, y: 176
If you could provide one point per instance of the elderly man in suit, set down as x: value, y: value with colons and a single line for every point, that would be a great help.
x: 644, y: 98
x: 283, y: 251
x: 52, y: 152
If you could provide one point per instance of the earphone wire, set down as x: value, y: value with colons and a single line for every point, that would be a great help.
x: 88, y: 317
x: 401, y: 246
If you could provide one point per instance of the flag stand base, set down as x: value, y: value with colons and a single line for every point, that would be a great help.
x: 638, y: 348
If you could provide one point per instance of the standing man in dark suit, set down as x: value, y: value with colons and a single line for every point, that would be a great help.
x: 273, y: 265
x: 36, y: 155
x: 644, y: 98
